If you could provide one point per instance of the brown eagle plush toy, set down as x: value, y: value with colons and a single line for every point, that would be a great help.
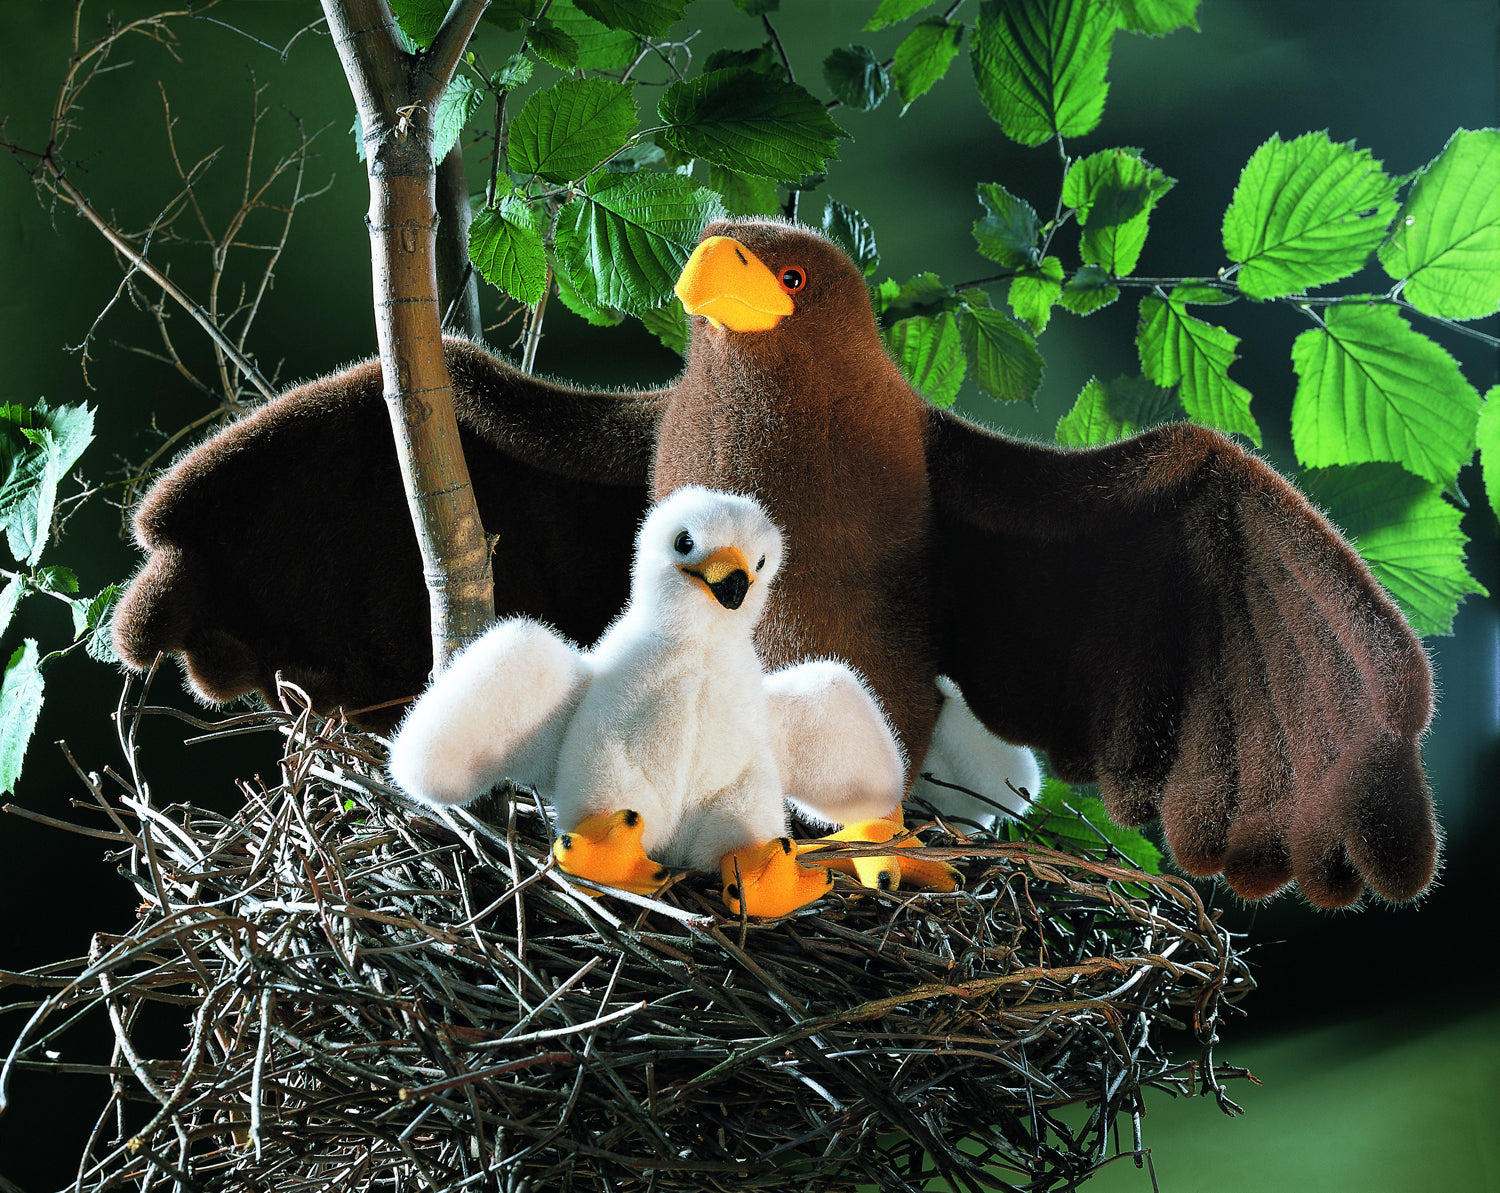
x: 1165, y: 615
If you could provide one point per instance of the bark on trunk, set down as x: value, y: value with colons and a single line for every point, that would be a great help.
x: 396, y: 94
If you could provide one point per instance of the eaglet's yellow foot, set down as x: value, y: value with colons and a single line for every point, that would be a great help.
x: 768, y: 880
x: 606, y: 848
x: 886, y: 872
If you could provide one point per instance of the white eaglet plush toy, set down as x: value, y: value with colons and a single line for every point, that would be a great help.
x: 665, y: 744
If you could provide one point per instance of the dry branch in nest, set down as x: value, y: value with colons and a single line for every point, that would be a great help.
x: 377, y: 999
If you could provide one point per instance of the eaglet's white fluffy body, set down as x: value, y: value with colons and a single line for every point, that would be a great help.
x: 669, y: 714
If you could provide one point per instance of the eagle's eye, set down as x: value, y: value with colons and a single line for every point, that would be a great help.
x: 793, y: 279
x: 683, y: 544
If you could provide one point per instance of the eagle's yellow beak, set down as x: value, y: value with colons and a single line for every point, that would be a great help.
x: 725, y: 575
x: 731, y: 287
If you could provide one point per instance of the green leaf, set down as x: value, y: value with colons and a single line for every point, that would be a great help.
x: 1177, y: 349
x: 1007, y: 365
x: 744, y: 194
x: 56, y: 579
x: 924, y: 294
x: 1156, y: 17
x: 1488, y: 437
x: 648, y: 18
x: 1370, y: 387
x: 458, y: 105
x: 893, y: 12
x: 1040, y: 65
x: 1033, y: 295
x: 750, y: 122
x: 929, y: 353
x: 624, y: 243
x: 855, y: 77
x: 420, y: 20
x: 1007, y: 233
x: 1446, y: 242
x: 516, y: 72
x: 505, y: 244
x: 510, y: 14
x: 553, y: 44
x: 1087, y: 291
x: 37, y: 447
x: 852, y: 233
x: 763, y: 58
x: 1105, y: 412
x: 565, y: 131
x: 756, y: 8
x: 1408, y: 534
x: 20, y: 705
x: 923, y: 58
x: 1076, y: 822
x: 1113, y: 192
x: 594, y: 316
x: 669, y: 324
x: 10, y: 598
x: 599, y: 47
x: 1305, y: 213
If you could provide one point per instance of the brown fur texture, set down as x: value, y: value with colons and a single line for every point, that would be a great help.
x: 1165, y: 615
x: 284, y: 544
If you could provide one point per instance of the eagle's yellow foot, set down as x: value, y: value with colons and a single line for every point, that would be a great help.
x: 886, y: 872
x: 607, y: 849
x: 768, y: 880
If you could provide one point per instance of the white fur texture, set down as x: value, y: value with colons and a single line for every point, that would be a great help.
x: 965, y: 753
x: 838, y: 757
x: 669, y: 714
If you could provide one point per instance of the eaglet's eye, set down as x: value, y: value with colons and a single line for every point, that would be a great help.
x: 793, y: 279
x: 683, y: 544
x: 761, y: 564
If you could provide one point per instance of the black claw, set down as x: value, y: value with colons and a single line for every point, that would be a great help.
x: 632, y: 818
x: 566, y: 840
x: 828, y: 877
x: 662, y: 875
x: 785, y: 843
x: 732, y: 891
x: 884, y: 882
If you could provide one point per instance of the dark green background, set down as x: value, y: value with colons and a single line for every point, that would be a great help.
x: 1375, y: 1034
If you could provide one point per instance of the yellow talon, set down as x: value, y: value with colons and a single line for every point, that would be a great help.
x: 887, y: 872
x: 606, y: 849
x: 768, y: 880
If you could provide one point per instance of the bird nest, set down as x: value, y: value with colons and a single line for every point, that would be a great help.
x: 378, y: 997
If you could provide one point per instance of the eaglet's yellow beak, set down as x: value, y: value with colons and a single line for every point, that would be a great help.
x: 731, y: 287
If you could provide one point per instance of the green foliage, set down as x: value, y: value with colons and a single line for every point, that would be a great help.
x: 623, y: 242
x: 39, y: 445
x: 924, y: 57
x: 856, y: 78
x: 1445, y: 246
x: 1488, y: 436
x: 1305, y: 213
x: 927, y: 349
x: 1040, y: 66
x: 1008, y: 232
x: 1112, y: 193
x: 1104, y: 412
x: 564, y: 132
x: 1370, y: 387
x: 1075, y: 821
x: 505, y: 244
x: 604, y: 201
x: 1407, y: 533
x: 751, y: 122
x: 1177, y: 349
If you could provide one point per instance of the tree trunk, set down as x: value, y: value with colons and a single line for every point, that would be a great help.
x: 458, y: 284
x: 396, y: 94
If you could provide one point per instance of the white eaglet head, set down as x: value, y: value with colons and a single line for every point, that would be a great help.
x: 706, y: 555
